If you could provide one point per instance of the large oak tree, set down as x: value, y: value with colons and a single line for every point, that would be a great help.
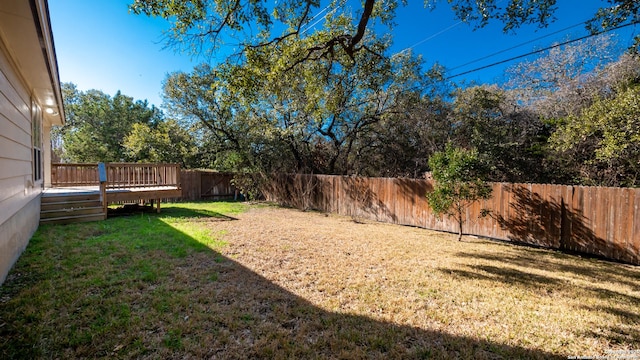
x: 201, y: 26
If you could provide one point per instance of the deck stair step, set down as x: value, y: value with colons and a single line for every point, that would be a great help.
x: 72, y: 219
x: 49, y: 214
x: 66, y: 197
x: 49, y: 206
x: 65, y: 208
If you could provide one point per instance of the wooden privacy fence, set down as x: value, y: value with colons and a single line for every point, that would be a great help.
x: 593, y: 220
x: 206, y: 184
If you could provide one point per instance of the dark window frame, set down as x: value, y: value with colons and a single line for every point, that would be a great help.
x: 36, y: 140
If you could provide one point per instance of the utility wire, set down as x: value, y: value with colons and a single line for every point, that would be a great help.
x: 437, y: 34
x: 320, y: 12
x: 517, y: 46
x: 314, y: 17
x: 319, y: 20
x: 432, y: 36
x: 541, y: 50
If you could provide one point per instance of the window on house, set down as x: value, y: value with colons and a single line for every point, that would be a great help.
x: 36, y: 134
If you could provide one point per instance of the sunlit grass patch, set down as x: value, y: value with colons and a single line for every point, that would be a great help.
x: 86, y: 289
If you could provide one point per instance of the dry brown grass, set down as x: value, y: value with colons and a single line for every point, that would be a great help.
x: 280, y: 283
x: 468, y: 298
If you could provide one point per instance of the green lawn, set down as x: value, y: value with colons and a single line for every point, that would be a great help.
x: 230, y: 280
x: 92, y: 289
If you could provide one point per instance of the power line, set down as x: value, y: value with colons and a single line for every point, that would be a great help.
x: 541, y: 50
x: 320, y: 12
x: 432, y: 36
x: 437, y: 33
x: 315, y: 16
x: 519, y: 45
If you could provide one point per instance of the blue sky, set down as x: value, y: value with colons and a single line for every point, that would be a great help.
x: 100, y: 45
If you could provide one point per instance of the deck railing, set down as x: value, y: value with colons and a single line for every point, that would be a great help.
x: 65, y: 175
x: 119, y: 175
x: 131, y: 175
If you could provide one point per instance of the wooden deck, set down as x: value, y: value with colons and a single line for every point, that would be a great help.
x: 77, y: 188
x: 115, y: 195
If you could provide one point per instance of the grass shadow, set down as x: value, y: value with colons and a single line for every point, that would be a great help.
x: 607, y: 288
x: 600, y: 270
x: 148, y: 287
x: 507, y: 276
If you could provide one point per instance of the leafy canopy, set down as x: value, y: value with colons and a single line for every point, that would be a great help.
x: 103, y: 128
x: 97, y: 124
x: 319, y: 118
x: 166, y: 142
x: 331, y: 98
x: 200, y: 27
x: 612, y: 129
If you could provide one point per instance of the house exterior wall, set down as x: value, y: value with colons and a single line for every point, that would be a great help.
x: 30, y: 103
x: 17, y: 230
x: 19, y: 191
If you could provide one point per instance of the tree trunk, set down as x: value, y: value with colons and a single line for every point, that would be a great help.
x: 459, y: 225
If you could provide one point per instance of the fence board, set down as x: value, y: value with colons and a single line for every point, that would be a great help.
x: 592, y: 220
x: 617, y: 221
x: 215, y: 185
x: 190, y: 181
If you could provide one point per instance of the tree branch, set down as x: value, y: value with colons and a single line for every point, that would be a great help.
x: 362, y: 26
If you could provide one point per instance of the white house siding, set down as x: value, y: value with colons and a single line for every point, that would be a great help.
x: 19, y: 194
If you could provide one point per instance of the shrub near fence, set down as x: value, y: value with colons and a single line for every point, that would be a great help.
x: 592, y: 220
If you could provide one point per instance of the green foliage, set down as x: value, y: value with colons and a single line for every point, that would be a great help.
x: 404, y: 139
x: 265, y: 114
x: 332, y: 99
x: 584, y: 106
x: 97, y: 124
x: 166, y: 142
x: 618, y: 13
x: 201, y: 27
x: 458, y: 175
x: 103, y: 128
x: 514, y: 14
x: 257, y: 117
x: 612, y: 128
x: 508, y: 137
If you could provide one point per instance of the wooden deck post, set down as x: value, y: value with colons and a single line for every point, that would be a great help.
x: 102, y: 176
